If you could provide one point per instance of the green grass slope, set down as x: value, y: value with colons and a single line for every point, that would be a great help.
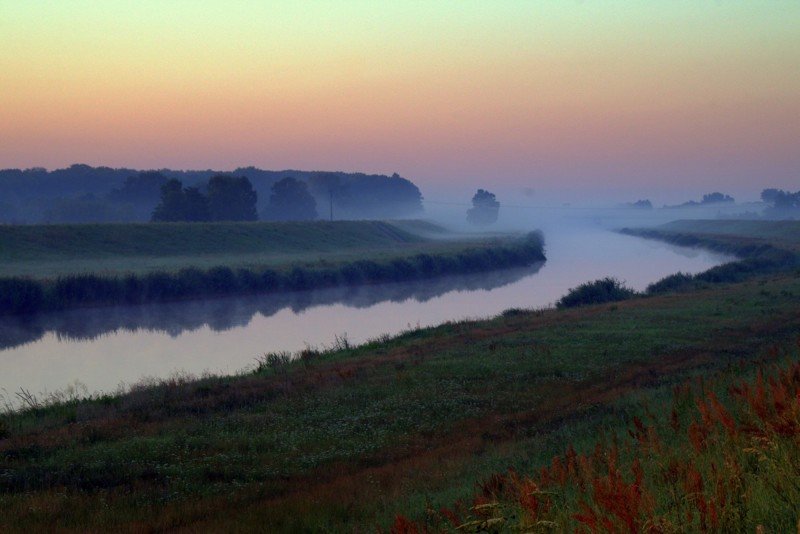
x: 786, y: 233
x: 346, y: 439
x: 52, y: 250
x: 36, y: 242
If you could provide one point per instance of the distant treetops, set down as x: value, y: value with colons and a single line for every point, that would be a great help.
x: 709, y: 199
x: 232, y: 198
x: 83, y: 194
x: 485, y: 209
x: 290, y: 201
x: 227, y: 198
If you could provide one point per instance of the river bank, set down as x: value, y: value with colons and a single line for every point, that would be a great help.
x: 382, y: 253
x: 394, y: 423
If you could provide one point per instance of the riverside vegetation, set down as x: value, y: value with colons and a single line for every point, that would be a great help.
x: 762, y: 247
x: 485, y: 425
x: 90, y: 265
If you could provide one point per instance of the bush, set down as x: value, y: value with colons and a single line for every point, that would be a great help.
x: 672, y: 283
x: 20, y: 295
x: 597, y: 292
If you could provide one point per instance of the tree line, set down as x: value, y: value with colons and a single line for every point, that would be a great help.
x: 81, y: 193
x: 232, y: 198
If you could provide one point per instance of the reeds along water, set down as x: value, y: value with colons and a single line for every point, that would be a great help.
x: 23, y: 295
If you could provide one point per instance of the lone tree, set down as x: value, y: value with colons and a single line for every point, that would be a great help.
x: 290, y: 201
x: 485, y: 209
x: 232, y: 198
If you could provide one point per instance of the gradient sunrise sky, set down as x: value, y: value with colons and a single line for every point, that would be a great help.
x: 602, y: 94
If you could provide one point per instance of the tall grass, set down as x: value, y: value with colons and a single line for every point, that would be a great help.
x: 22, y: 295
x: 723, y: 458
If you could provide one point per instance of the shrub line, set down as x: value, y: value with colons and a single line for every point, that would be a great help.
x: 20, y: 295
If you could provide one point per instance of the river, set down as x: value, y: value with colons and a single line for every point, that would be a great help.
x: 105, y: 349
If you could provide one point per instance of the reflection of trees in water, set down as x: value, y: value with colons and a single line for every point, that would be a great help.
x: 226, y: 313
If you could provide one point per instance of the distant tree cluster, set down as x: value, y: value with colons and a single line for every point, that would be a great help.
x: 290, y: 201
x: 359, y: 196
x: 228, y: 198
x: 640, y: 204
x: 485, y: 209
x: 81, y: 193
x: 717, y: 198
x: 709, y: 199
x: 783, y: 204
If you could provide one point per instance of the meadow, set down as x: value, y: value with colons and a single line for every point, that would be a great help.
x: 446, y: 427
x: 67, y: 266
x: 48, y: 251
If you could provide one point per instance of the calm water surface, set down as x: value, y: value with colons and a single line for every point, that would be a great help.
x: 103, y: 349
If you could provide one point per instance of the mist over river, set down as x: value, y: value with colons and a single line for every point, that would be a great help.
x: 105, y: 348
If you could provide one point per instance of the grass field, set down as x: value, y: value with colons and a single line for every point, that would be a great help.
x: 55, y: 267
x: 349, y: 439
x: 46, y: 251
x: 785, y: 234
x: 91, y: 267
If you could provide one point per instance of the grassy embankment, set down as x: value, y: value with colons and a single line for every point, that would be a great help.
x: 352, y: 437
x: 761, y: 248
x: 50, y: 267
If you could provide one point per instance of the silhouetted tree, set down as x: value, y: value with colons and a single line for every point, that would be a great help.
x: 485, y: 209
x: 173, y: 203
x: 196, y: 207
x: 716, y: 198
x: 232, y: 198
x: 771, y: 195
x: 290, y: 201
x: 785, y: 205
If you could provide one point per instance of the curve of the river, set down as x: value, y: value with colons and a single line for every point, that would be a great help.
x: 105, y: 348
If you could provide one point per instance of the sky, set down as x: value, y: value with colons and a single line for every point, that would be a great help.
x: 561, y: 95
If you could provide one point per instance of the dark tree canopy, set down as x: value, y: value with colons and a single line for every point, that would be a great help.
x: 485, y: 209
x: 771, y: 195
x: 708, y: 199
x: 784, y: 204
x: 196, y: 207
x: 172, y: 207
x: 716, y: 198
x: 142, y: 187
x: 781, y: 199
x: 232, y: 198
x: 290, y: 201
x: 134, y: 194
x: 366, y: 196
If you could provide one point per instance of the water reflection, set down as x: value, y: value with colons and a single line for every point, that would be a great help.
x: 227, y: 313
x: 104, y: 347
